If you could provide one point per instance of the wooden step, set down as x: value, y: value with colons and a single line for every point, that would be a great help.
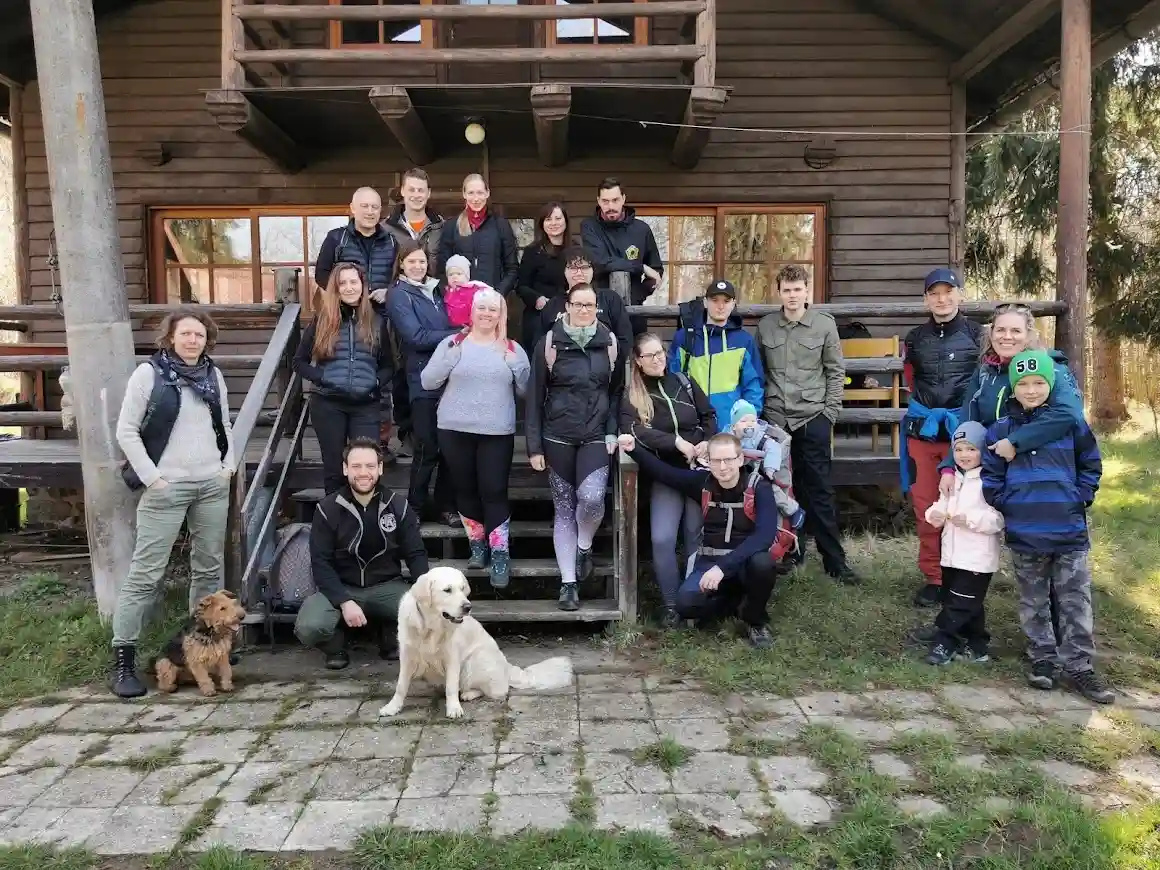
x: 516, y: 529
x: 312, y: 495
x: 520, y: 568
x: 538, y: 610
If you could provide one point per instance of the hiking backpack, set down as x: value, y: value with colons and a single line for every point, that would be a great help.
x: 550, y: 352
x: 288, y: 578
x: 689, y: 315
x: 854, y: 329
x: 786, y: 540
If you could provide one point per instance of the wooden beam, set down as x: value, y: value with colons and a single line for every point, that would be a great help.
x: 394, y: 106
x: 35, y: 362
x: 551, y: 106
x: 1075, y: 114
x: 958, y: 203
x: 705, y: 68
x: 227, y: 313
x: 233, y: 41
x: 19, y: 193
x: 409, y: 55
x: 860, y: 310
x: 256, y: 38
x: 705, y: 104
x: 233, y: 111
x: 1006, y: 36
x: 549, y: 12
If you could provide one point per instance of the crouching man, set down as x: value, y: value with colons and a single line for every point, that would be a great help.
x: 360, y: 537
x: 742, y: 542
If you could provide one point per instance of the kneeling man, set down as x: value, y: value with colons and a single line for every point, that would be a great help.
x: 361, y: 535
x: 735, y: 570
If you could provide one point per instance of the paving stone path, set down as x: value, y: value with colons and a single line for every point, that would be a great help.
x: 306, y: 766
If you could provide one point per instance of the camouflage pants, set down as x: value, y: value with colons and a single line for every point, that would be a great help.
x: 1068, y: 573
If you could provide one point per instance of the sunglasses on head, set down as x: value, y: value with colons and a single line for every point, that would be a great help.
x: 1020, y: 307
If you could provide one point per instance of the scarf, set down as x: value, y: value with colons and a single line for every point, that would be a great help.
x: 475, y: 218
x: 580, y: 334
x: 199, y: 377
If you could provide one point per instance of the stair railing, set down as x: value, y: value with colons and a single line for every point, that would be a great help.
x: 622, y: 585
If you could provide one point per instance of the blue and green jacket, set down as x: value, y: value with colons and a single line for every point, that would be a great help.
x: 722, y: 361
x: 987, y: 395
x: 1043, y: 494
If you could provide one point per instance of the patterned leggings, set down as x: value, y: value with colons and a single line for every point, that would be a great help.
x: 579, y: 481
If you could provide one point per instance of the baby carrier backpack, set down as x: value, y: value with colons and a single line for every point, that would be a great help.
x: 786, y: 540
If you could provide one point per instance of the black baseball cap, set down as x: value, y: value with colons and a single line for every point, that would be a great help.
x: 942, y: 276
x: 721, y: 288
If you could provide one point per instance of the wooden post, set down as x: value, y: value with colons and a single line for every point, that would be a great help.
x: 958, y: 205
x: 19, y: 193
x: 1074, y: 160
x: 96, y: 312
x: 705, y: 68
x: 233, y: 41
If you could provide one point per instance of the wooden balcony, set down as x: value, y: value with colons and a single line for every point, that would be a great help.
x: 295, y: 80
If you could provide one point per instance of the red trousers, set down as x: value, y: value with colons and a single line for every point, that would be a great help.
x: 925, y: 457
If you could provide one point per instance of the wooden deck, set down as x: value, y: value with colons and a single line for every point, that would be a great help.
x: 56, y: 463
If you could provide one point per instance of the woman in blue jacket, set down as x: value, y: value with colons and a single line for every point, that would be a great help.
x: 415, y: 308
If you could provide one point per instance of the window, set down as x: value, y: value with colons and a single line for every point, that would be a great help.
x: 371, y: 33
x: 745, y: 244
x: 597, y: 31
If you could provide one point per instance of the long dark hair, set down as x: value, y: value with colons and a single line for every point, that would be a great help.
x: 540, y: 240
x: 406, y: 249
x: 329, y: 318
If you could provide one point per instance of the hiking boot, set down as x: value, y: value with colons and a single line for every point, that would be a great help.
x: 1042, y: 676
x: 846, y: 576
x: 940, y: 654
x: 760, y: 637
x: 124, y: 680
x: 584, y: 566
x: 337, y: 657
x: 478, y: 554
x: 388, y: 642
x: 670, y: 619
x: 569, y: 597
x: 929, y: 595
x: 500, y: 569
x: 1092, y: 686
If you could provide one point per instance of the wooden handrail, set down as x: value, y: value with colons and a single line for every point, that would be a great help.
x: 555, y: 12
x: 862, y: 310
x: 411, y: 55
x: 263, y: 380
x: 293, y: 392
x: 624, y: 535
x: 45, y: 311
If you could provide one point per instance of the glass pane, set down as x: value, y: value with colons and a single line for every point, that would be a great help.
x: 318, y: 227
x: 281, y: 239
x: 769, y: 237
x: 183, y: 286
x: 683, y: 237
x: 525, y: 230
x: 580, y: 29
x: 233, y: 286
x: 754, y: 281
x: 270, y: 286
x: 360, y: 32
x: 413, y: 34
x: 679, y: 283
x: 231, y: 240
x: 187, y: 240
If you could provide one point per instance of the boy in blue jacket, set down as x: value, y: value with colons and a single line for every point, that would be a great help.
x: 1043, y: 495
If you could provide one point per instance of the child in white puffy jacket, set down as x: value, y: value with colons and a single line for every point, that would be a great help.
x: 971, y: 542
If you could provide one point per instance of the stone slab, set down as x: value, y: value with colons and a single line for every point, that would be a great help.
x: 758, y: 704
x: 925, y: 725
x: 617, y: 773
x: 636, y: 812
x: 270, y: 782
x: 324, y: 711
x: 1009, y: 722
x: 830, y: 704
x: 1090, y: 720
x: 1050, y: 702
x: 137, y: 830
x: 174, y: 717
x: 123, y: 748
x: 98, y: 717
x: 64, y: 827
x: 180, y: 784
x: 546, y: 735
x: 921, y: 807
x: 259, y: 828
x: 1143, y: 771
x: 778, y: 729
x: 979, y: 699
x: 378, y: 742
x: 54, y: 749
x: 687, y: 705
x: 461, y: 813
x: 336, y: 824
x: 91, y: 787
x: 243, y: 714
x: 903, y: 700
x: 543, y: 812
x: 417, y: 712
x: 589, y: 684
x: 791, y: 773
x: 672, y: 683
x: 614, y: 705
x: 229, y: 747
x: 531, y: 773
x: 379, y: 779
x: 31, y: 825
x: 803, y: 808
x: 270, y: 691
x: 341, y: 689
x: 872, y: 730
x: 557, y: 707
x: 720, y: 814
x: 283, y: 745
x: 714, y: 772
x: 616, y: 736
x: 22, y: 718
x: 455, y: 740
x: 19, y: 788
x: 885, y: 764
x: 704, y: 735
x: 434, y: 776
x: 1067, y: 774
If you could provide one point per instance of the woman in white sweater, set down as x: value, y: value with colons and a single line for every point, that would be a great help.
x: 174, y: 429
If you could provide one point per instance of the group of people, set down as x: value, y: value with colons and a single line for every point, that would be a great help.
x: 732, y: 430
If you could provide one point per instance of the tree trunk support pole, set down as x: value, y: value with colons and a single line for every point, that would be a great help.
x: 1074, y: 162
x: 96, y: 312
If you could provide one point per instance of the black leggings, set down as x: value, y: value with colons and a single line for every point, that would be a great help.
x: 427, y: 460
x: 335, y: 423
x: 479, y: 466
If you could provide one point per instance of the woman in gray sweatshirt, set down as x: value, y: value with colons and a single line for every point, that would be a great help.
x: 481, y: 372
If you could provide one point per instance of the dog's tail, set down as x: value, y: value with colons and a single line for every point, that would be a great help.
x: 554, y: 673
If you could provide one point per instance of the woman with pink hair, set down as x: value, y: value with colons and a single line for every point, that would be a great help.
x: 482, y: 373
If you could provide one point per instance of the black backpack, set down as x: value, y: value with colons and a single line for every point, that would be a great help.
x: 690, y: 315
x: 854, y: 329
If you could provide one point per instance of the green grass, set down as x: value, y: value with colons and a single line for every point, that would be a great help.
x: 44, y: 858
x: 666, y: 753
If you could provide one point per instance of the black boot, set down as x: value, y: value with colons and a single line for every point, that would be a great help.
x: 584, y: 566
x: 388, y: 641
x: 124, y: 680
x: 337, y: 657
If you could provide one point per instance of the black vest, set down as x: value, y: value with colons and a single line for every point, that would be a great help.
x: 352, y: 249
x: 943, y: 357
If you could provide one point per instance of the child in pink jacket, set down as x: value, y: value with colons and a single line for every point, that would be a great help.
x: 971, y: 531
x: 459, y: 295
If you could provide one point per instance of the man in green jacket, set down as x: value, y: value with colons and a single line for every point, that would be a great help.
x: 804, y: 378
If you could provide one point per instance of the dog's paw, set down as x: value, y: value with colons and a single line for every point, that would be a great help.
x: 392, y: 708
x: 454, y: 711
x: 226, y: 687
x: 208, y: 691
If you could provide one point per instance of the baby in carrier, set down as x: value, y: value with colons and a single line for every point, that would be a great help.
x: 766, y: 447
x: 461, y: 290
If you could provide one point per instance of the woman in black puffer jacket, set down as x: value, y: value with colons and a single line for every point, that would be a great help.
x: 573, y: 398
x: 484, y: 237
x: 670, y: 415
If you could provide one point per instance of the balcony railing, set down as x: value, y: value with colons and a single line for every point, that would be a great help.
x: 244, y: 47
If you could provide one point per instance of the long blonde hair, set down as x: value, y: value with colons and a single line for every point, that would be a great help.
x: 329, y: 317
x: 638, y: 394
x: 462, y: 224
x: 492, y: 296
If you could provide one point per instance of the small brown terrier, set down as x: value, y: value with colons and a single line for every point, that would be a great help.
x: 203, y: 646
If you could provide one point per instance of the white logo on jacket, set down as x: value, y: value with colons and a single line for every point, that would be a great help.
x: 387, y: 523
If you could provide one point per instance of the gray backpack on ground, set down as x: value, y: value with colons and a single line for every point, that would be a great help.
x: 288, y: 578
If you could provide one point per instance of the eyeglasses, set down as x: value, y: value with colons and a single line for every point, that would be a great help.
x: 655, y: 356
x: 578, y: 267
x: 583, y: 306
x: 722, y: 461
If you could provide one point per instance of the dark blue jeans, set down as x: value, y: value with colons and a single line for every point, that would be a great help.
x: 744, y: 594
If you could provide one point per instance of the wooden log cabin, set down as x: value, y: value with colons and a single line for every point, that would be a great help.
x: 748, y: 133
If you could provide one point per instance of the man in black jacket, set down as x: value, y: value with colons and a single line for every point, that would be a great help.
x: 618, y: 241
x: 363, y: 241
x: 941, y: 356
x: 359, y: 539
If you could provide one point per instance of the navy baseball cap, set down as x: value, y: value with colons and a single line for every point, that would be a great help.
x: 942, y: 276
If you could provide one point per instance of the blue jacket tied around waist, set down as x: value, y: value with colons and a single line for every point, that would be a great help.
x: 929, y: 420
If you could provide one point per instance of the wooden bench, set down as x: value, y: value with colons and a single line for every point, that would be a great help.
x: 876, y: 348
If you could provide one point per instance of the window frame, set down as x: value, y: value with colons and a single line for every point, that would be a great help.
x: 426, y: 30
x: 641, y: 32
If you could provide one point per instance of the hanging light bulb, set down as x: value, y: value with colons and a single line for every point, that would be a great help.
x: 474, y: 133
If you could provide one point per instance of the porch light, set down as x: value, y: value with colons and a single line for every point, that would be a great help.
x: 474, y: 133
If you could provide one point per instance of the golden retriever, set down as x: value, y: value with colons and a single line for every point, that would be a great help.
x: 441, y: 642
